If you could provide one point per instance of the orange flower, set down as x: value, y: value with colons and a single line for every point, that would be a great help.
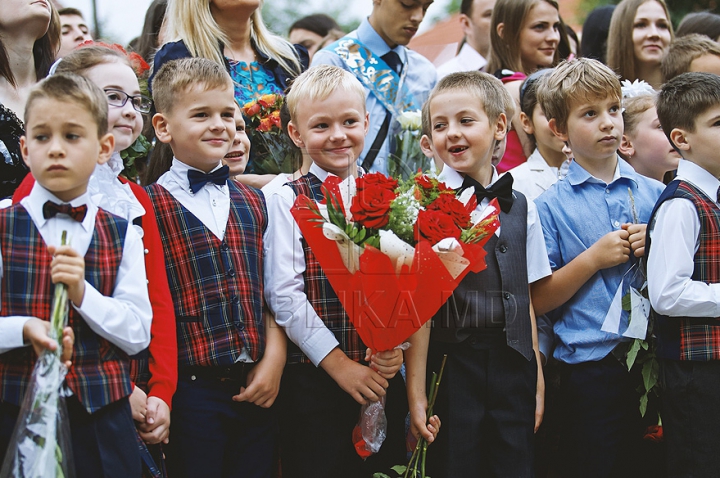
x: 267, y: 100
x: 251, y: 109
x: 265, y: 125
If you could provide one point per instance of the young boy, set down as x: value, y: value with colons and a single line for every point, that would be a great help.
x: 683, y: 275
x: 327, y: 376
x: 230, y: 361
x: 102, y: 266
x: 491, y: 396
x: 588, y: 222
x: 691, y: 53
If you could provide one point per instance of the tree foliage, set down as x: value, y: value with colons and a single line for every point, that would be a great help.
x: 280, y: 14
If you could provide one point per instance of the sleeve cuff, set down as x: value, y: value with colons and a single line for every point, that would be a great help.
x: 319, y: 345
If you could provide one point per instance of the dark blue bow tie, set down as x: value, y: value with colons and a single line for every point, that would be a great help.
x: 502, y: 190
x: 198, y: 179
x: 51, y: 209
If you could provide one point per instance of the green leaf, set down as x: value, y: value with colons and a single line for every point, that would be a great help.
x: 380, y: 475
x: 650, y: 372
x: 632, y: 353
x: 400, y: 469
x: 643, y: 404
x: 626, y: 303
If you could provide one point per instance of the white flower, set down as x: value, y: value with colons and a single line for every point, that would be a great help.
x: 636, y: 88
x: 411, y: 120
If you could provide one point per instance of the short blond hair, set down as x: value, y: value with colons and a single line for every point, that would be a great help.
x: 75, y: 89
x: 683, y: 51
x: 489, y: 90
x: 574, y: 81
x: 178, y: 76
x: 319, y: 82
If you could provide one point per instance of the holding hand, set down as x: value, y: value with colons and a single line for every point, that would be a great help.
x: 611, y: 250
x: 263, y: 384
x: 420, y: 426
x: 68, y: 267
x: 636, y: 238
x: 138, y: 405
x: 156, y: 427
x: 37, y: 332
x: 387, y: 363
x: 361, y: 382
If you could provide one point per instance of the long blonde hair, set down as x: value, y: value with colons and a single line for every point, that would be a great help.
x: 192, y: 22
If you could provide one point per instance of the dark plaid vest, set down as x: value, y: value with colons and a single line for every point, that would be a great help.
x: 495, y: 300
x: 692, y: 338
x: 216, y: 285
x: 100, y: 370
x: 320, y: 293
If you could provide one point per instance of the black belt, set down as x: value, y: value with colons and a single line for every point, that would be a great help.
x: 237, y: 372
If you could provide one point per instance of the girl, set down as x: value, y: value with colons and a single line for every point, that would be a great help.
x: 548, y: 162
x: 644, y: 144
x: 111, y: 69
x: 524, y: 36
x: 232, y: 34
x: 639, y: 37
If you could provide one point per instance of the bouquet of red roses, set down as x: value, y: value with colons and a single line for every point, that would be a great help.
x: 272, y: 150
x: 394, y: 251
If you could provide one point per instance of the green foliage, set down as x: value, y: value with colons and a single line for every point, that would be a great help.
x: 278, y: 15
x: 138, y: 150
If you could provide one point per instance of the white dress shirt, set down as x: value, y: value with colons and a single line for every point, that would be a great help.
x: 124, y: 318
x: 675, y: 240
x: 467, y: 59
x: 284, y: 283
x: 535, y: 176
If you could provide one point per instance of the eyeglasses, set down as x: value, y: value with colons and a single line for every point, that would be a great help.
x: 141, y: 103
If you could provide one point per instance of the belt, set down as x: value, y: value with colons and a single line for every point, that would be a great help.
x: 237, y: 372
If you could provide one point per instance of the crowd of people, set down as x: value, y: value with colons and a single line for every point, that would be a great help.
x: 205, y: 338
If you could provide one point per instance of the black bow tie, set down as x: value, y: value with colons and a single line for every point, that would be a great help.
x: 51, y: 209
x: 502, y: 190
x: 198, y: 179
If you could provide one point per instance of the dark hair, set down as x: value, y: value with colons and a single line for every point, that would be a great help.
x: 318, y: 23
x: 466, y: 7
x: 567, y: 34
x: 686, y: 97
x: 704, y: 23
x: 70, y: 11
x: 595, y: 33
x: 147, y: 42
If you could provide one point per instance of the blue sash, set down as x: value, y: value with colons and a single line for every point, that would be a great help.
x: 375, y: 75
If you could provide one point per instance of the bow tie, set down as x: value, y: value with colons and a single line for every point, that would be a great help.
x: 51, y: 209
x: 198, y: 179
x: 502, y: 190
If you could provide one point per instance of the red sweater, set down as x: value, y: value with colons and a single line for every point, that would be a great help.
x: 163, y: 342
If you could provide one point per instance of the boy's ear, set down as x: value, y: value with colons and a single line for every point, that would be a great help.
x: 295, y: 134
x: 500, y: 29
x: 526, y: 123
x: 679, y: 139
x: 562, y: 135
x: 107, y: 146
x: 626, y: 147
x: 162, y: 130
x: 24, y: 150
x: 426, y: 146
x: 367, y: 122
x: 501, y: 126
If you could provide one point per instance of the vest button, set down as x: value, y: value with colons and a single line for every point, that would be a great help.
x: 235, y: 299
x: 503, y: 248
x: 241, y: 326
x: 231, y: 273
x: 224, y: 246
x: 506, y: 296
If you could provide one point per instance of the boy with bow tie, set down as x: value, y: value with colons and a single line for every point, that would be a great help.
x: 492, y: 392
x: 231, y: 355
x: 103, y: 268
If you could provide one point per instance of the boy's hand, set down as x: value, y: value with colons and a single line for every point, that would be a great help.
x: 138, y: 405
x: 611, y: 250
x: 361, y: 382
x: 636, y: 238
x: 387, y: 363
x: 420, y: 426
x: 263, y: 384
x: 37, y: 332
x: 68, y: 267
x: 156, y: 427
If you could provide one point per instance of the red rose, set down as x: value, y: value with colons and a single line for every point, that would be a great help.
x: 434, y: 226
x: 371, y: 206
x: 448, y: 204
x: 265, y: 125
x: 251, y: 109
x: 424, y: 181
x: 267, y: 100
x: 443, y: 187
x: 654, y: 433
x: 376, y: 180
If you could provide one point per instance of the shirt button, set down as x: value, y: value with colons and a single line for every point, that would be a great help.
x: 616, y: 223
x: 214, y: 203
x: 607, y: 191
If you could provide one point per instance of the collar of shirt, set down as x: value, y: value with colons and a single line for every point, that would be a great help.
x: 470, y: 58
x: 179, y: 171
x: 322, y: 175
x: 39, y: 196
x: 454, y: 180
x: 370, y: 38
x: 691, y: 172
x: 578, y: 175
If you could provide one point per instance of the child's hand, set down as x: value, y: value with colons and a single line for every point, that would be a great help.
x: 420, y: 426
x: 156, y: 427
x: 68, y: 267
x: 37, y: 332
x: 361, y: 382
x: 611, y: 250
x: 387, y: 363
x: 637, y: 238
x: 138, y: 405
x: 263, y: 383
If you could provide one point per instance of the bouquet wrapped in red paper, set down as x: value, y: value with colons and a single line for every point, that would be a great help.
x: 394, y: 251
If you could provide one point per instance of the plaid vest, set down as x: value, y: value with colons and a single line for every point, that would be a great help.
x: 216, y: 285
x: 320, y: 293
x: 100, y: 370
x: 693, y: 338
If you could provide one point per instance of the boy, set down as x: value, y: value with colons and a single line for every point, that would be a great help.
x: 691, y: 53
x: 74, y: 30
x: 402, y: 77
x: 491, y: 396
x: 326, y: 377
x: 587, y: 220
x: 683, y: 276
x: 103, y: 268
x: 229, y: 362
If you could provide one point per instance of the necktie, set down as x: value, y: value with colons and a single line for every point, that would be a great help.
x: 51, y: 209
x: 393, y: 61
x: 502, y: 190
x: 198, y: 179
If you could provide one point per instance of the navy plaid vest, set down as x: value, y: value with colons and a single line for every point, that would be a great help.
x: 216, y: 285
x: 100, y: 370
x: 693, y: 338
x: 320, y: 293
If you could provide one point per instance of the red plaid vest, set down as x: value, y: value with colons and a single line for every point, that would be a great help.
x: 216, y: 285
x: 320, y: 293
x: 100, y: 371
x: 693, y: 338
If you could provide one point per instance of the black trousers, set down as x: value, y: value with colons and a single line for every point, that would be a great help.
x: 316, y: 422
x: 691, y: 417
x: 486, y: 403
